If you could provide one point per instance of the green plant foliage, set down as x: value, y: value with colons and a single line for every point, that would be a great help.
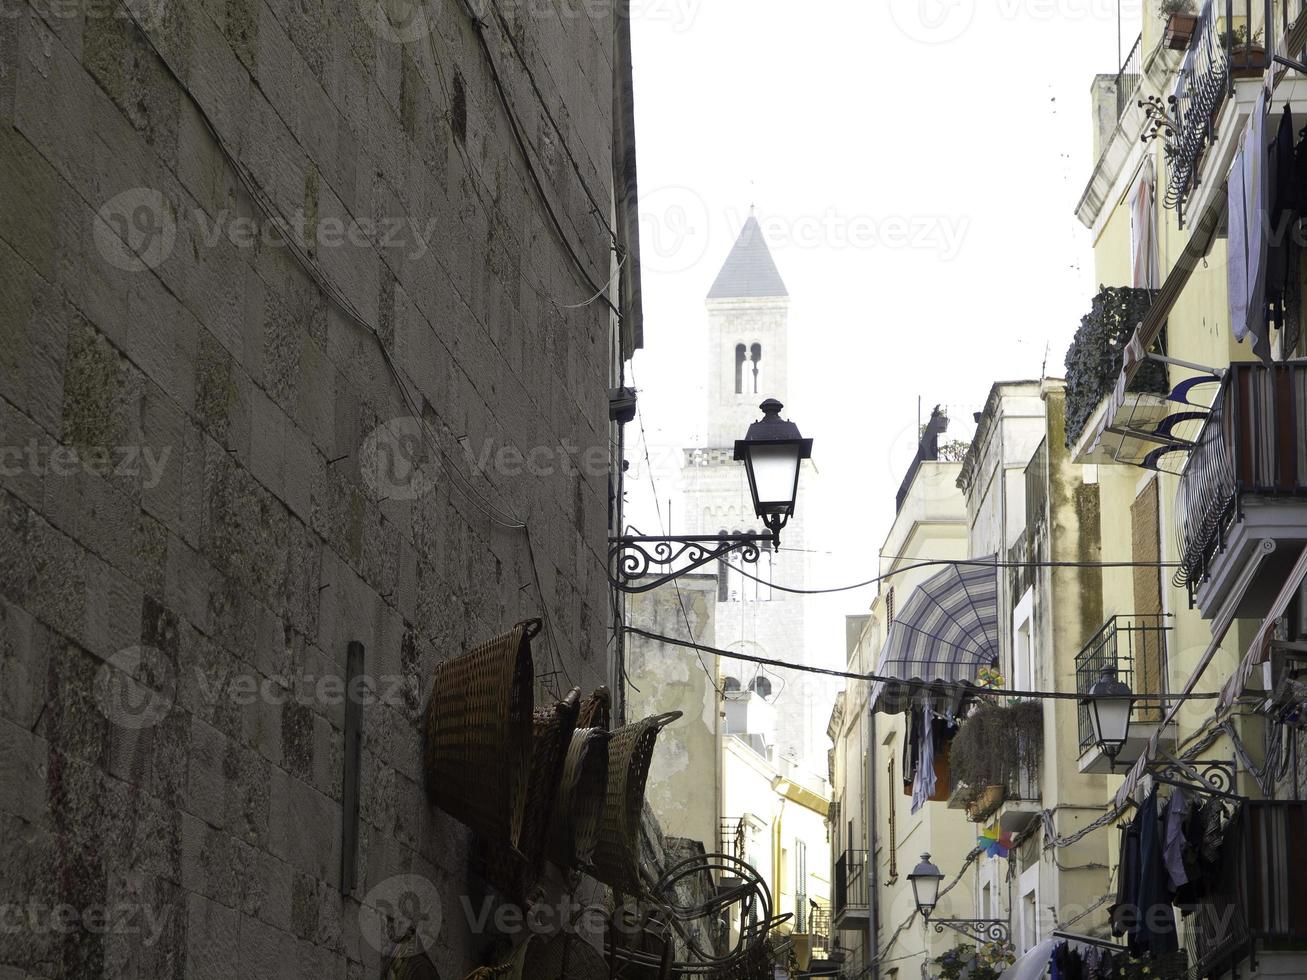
x: 997, y: 743
x: 1168, y: 7
x: 1093, y: 361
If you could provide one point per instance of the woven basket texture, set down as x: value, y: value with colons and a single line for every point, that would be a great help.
x: 617, y: 852
x: 579, y: 805
x: 478, y: 736
x: 516, y: 873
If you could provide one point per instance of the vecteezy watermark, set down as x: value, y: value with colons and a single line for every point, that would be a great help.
x: 118, y: 462
x: 674, y: 229
x: 136, y: 687
x: 833, y: 229
x: 677, y: 14
x: 401, y: 916
x: 396, y: 460
x: 942, y: 21
x: 119, y: 919
x: 137, y: 230
x: 932, y: 21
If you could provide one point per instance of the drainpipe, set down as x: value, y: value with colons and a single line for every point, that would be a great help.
x: 873, y: 872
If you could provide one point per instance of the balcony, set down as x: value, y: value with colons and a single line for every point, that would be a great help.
x: 1134, y: 647
x: 1242, y: 499
x: 1093, y: 368
x: 1258, y: 910
x: 853, y: 887
x: 1216, y: 89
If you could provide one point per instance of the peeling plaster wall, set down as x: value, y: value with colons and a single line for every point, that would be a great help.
x: 252, y: 549
x: 683, y: 790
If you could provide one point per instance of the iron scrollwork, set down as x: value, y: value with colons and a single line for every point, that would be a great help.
x: 631, y: 558
x: 981, y: 930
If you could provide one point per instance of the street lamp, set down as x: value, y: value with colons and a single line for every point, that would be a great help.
x: 925, y: 880
x: 773, y: 452
x: 1110, y: 703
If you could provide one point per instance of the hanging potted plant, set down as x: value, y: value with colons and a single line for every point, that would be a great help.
x: 1181, y: 22
x: 996, y: 748
x: 1247, y: 55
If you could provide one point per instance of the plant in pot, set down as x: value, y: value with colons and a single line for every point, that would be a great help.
x: 1247, y: 55
x: 1181, y: 22
x: 997, y: 750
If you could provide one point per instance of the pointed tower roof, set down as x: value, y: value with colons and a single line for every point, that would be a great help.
x: 749, y: 271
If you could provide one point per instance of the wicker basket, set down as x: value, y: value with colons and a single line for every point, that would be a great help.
x: 478, y: 736
x: 579, y: 805
x: 516, y: 874
x: 596, y: 710
x: 617, y: 854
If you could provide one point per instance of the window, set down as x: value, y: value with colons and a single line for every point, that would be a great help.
x: 731, y: 684
x: 740, y: 355
x: 755, y: 355
x: 761, y: 686
x: 889, y: 606
x: 1028, y: 926
x: 1022, y: 677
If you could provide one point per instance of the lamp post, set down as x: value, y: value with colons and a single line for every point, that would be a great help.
x: 925, y: 879
x: 773, y: 452
x: 1110, y: 703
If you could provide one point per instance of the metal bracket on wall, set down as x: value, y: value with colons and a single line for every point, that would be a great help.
x: 983, y: 930
x: 631, y: 557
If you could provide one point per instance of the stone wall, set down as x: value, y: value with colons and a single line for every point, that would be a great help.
x: 210, y: 482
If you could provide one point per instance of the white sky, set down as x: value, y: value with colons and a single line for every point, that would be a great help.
x: 916, y: 164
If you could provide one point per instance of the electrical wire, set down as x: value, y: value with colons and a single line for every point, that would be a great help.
x: 346, y: 306
x: 910, y: 683
x: 954, y: 562
x: 520, y: 139
x: 680, y: 600
x: 562, y: 138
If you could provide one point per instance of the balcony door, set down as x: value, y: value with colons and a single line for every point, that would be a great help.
x: 1147, y: 642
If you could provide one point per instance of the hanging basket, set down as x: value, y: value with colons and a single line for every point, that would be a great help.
x: 596, y: 710
x: 579, y: 803
x: 478, y: 730
x: 516, y: 874
x: 617, y: 854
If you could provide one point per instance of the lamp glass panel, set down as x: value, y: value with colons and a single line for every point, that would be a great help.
x: 926, y: 891
x: 775, y: 474
x: 1111, y: 717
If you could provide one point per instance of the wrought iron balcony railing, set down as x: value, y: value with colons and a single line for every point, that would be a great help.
x: 1259, y: 902
x: 852, y: 882
x: 1129, y: 76
x: 1134, y: 647
x: 1252, y: 443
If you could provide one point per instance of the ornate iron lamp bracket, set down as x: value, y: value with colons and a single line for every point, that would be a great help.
x: 631, y: 557
x: 981, y: 930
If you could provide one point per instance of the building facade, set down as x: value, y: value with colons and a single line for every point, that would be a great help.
x: 299, y: 360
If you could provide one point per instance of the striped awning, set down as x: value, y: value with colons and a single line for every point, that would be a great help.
x: 940, y: 637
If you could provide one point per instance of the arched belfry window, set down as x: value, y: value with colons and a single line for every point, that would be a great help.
x: 740, y: 357
x: 755, y: 356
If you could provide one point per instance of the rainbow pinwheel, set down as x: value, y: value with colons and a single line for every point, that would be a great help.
x: 994, y: 843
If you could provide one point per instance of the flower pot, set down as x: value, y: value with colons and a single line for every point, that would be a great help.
x: 1180, y: 31
x: 1248, y: 61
